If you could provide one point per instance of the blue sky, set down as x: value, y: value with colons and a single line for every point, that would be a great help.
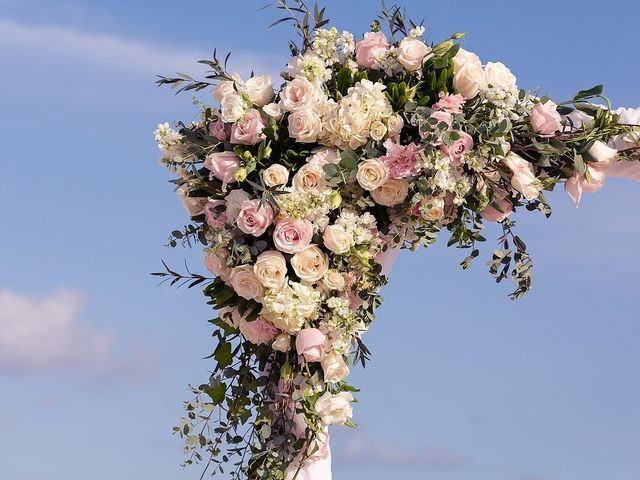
x: 465, y: 384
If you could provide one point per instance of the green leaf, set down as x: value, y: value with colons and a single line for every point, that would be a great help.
x: 223, y: 355
x: 345, y: 79
x: 592, y: 92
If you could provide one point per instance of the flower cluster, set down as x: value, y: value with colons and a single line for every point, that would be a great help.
x: 299, y: 194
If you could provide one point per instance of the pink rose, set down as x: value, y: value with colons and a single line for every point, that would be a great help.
x: 215, y: 213
x: 401, y: 160
x: 254, y: 219
x: 248, y: 130
x: 373, y: 45
x: 449, y: 103
x: 223, y: 166
x: 292, y: 236
x: 310, y: 343
x: 458, y: 148
x: 216, y: 263
x: 545, y: 119
x: 440, y: 117
x: 217, y: 130
x: 259, y: 331
x: 492, y: 214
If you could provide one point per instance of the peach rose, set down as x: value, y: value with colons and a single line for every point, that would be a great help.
x: 299, y: 93
x: 271, y: 269
x: 275, y: 175
x: 259, y: 331
x: 215, y: 213
x: 337, y: 239
x: 216, y: 263
x: 246, y: 284
x: 310, y: 343
x: 309, y: 178
x: 282, y: 343
x: 292, y: 236
x: 234, y: 200
x: 334, y: 367
x: 304, y: 125
x: 324, y: 156
x: 372, y: 174
x: 392, y: 193
x: 310, y: 264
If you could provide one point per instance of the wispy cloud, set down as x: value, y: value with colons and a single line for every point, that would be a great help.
x: 107, y: 50
x: 359, y: 449
x: 44, y: 334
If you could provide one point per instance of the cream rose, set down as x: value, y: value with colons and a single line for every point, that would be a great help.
x: 337, y: 239
x: 333, y: 280
x: 309, y: 178
x: 523, y: 179
x: 336, y: 408
x: 274, y: 110
x: 299, y: 93
x: 499, y: 76
x: 275, y: 175
x: 334, y: 367
x: 304, y: 125
x: 392, y: 193
x: 291, y: 235
x: 412, y: 53
x: 395, y: 124
x: 246, y: 284
x: 271, y: 269
x: 324, y: 156
x: 310, y: 265
x: 259, y: 89
x: 463, y: 57
x: 378, y: 130
x: 469, y: 79
x: 232, y: 108
x: 372, y: 174
x: 227, y: 86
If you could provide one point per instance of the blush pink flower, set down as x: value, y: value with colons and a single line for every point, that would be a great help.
x: 373, y: 45
x: 216, y: 263
x: 254, y: 218
x: 449, y: 103
x: 248, y: 130
x: 310, y: 343
x: 215, y: 213
x: 492, y: 214
x: 458, y: 148
x: 292, y: 236
x: 545, y: 119
x: 401, y: 160
x: 218, y: 130
x: 223, y: 166
x: 259, y: 331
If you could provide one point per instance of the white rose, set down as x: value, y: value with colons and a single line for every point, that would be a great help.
x: 274, y: 110
x: 395, y: 124
x: 275, y: 175
x: 232, y: 107
x: 463, y: 57
x: 372, y: 174
x: 309, y: 178
x: 393, y: 192
x: 246, y: 284
x: 333, y: 280
x: 412, y: 53
x: 271, y: 269
x: 378, y: 130
x: 337, y: 239
x: 282, y: 343
x: 334, y: 367
x: 600, y: 152
x: 304, y: 125
x: 227, y: 86
x: 310, y: 265
x: 499, y: 76
x: 435, y: 208
x: 336, y: 408
x: 299, y: 93
x: 523, y: 179
x: 469, y: 79
x: 259, y: 89
x: 234, y: 203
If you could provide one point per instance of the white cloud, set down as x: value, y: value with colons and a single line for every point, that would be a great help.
x: 45, y: 334
x: 359, y: 449
x: 106, y: 50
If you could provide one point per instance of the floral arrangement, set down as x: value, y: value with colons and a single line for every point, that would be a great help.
x: 299, y: 192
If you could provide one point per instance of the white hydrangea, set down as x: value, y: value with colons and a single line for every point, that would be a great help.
x: 289, y: 307
x: 348, y: 122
